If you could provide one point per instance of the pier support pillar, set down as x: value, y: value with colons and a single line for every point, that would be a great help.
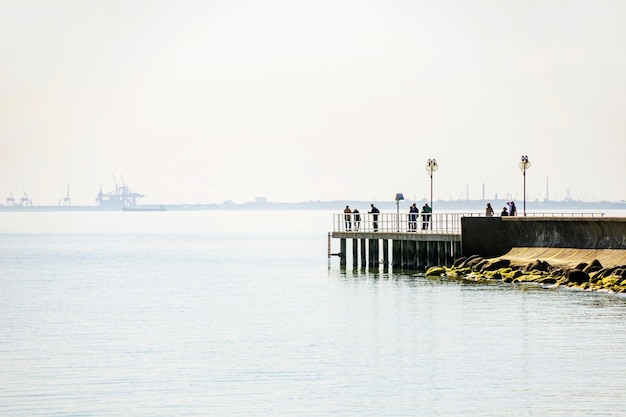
x: 355, y: 253
x: 363, y: 254
x: 441, y: 253
x: 422, y: 255
x: 373, y: 252
x: 457, y: 250
x: 385, y: 254
x: 410, y: 252
x: 396, y: 257
x: 342, y: 255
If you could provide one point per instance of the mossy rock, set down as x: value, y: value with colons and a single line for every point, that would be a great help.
x: 459, y: 262
x: 511, y: 275
x: 497, y: 264
x: 538, y: 265
x: 472, y: 262
x: 435, y: 271
x: 547, y: 280
x: 480, y: 265
x: 577, y: 276
x: 466, y: 261
x: 610, y: 281
x: 527, y: 278
x: 493, y: 274
x: 585, y: 286
x: 462, y: 271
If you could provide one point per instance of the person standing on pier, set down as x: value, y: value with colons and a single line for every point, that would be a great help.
x: 512, y: 208
x: 346, y: 216
x: 489, y: 210
x: 504, y: 212
x: 374, y: 212
x: 426, y: 210
x: 413, y: 214
x: 357, y: 219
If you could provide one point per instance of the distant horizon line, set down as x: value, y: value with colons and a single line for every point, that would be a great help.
x: 264, y: 202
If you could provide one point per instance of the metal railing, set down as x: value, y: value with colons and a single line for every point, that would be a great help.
x: 437, y: 223
x: 398, y: 223
x: 541, y: 214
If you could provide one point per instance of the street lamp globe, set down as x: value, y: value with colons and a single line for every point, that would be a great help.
x: 431, y: 166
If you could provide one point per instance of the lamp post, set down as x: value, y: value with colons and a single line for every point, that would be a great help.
x: 524, y: 165
x: 431, y: 166
x: 399, y: 196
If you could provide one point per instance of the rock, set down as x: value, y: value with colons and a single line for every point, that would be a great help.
x: 497, y: 264
x: 480, y: 265
x: 594, y: 266
x: 459, y: 262
x: 539, y: 265
x: 466, y: 262
x: 576, y: 276
x: 435, y: 271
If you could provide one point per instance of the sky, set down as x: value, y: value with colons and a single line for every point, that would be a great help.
x: 205, y: 101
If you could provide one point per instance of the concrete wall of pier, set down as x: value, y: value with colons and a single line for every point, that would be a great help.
x: 495, y: 236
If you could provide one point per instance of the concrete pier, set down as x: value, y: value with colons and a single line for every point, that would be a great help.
x: 390, y: 240
x: 447, y: 237
x: 413, y: 251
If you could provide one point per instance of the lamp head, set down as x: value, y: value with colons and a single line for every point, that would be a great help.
x: 431, y: 165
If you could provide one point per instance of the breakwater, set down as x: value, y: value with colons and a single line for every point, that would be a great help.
x: 584, y: 253
x: 495, y: 236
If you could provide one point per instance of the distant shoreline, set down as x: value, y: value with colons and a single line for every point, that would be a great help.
x: 339, y: 205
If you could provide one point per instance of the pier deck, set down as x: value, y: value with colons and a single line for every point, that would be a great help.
x: 415, y: 243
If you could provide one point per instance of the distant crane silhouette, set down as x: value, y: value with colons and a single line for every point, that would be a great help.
x: 67, y: 200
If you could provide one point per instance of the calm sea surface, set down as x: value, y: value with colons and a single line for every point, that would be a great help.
x: 223, y: 313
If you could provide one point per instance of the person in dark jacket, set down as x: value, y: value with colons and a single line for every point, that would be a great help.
x: 426, y: 210
x: 356, y: 219
x: 374, y: 212
x: 413, y: 213
x: 347, y: 214
x: 512, y: 208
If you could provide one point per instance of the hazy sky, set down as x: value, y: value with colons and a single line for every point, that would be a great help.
x: 203, y: 101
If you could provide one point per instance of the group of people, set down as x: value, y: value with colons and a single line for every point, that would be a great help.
x: 510, y: 211
x: 348, y: 217
x: 414, y: 214
x: 352, y: 218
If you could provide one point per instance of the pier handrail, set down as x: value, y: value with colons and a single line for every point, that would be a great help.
x: 402, y: 223
x: 438, y: 223
x: 542, y: 214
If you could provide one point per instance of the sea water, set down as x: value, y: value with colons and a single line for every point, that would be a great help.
x: 240, y: 313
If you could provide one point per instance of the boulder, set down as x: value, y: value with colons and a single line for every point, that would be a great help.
x: 576, y: 276
x: 459, y: 262
x: 497, y: 264
x: 435, y: 271
x: 473, y: 261
x: 468, y: 261
x: 539, y: 265
x: 581, y: 266
x: 594, y: 266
